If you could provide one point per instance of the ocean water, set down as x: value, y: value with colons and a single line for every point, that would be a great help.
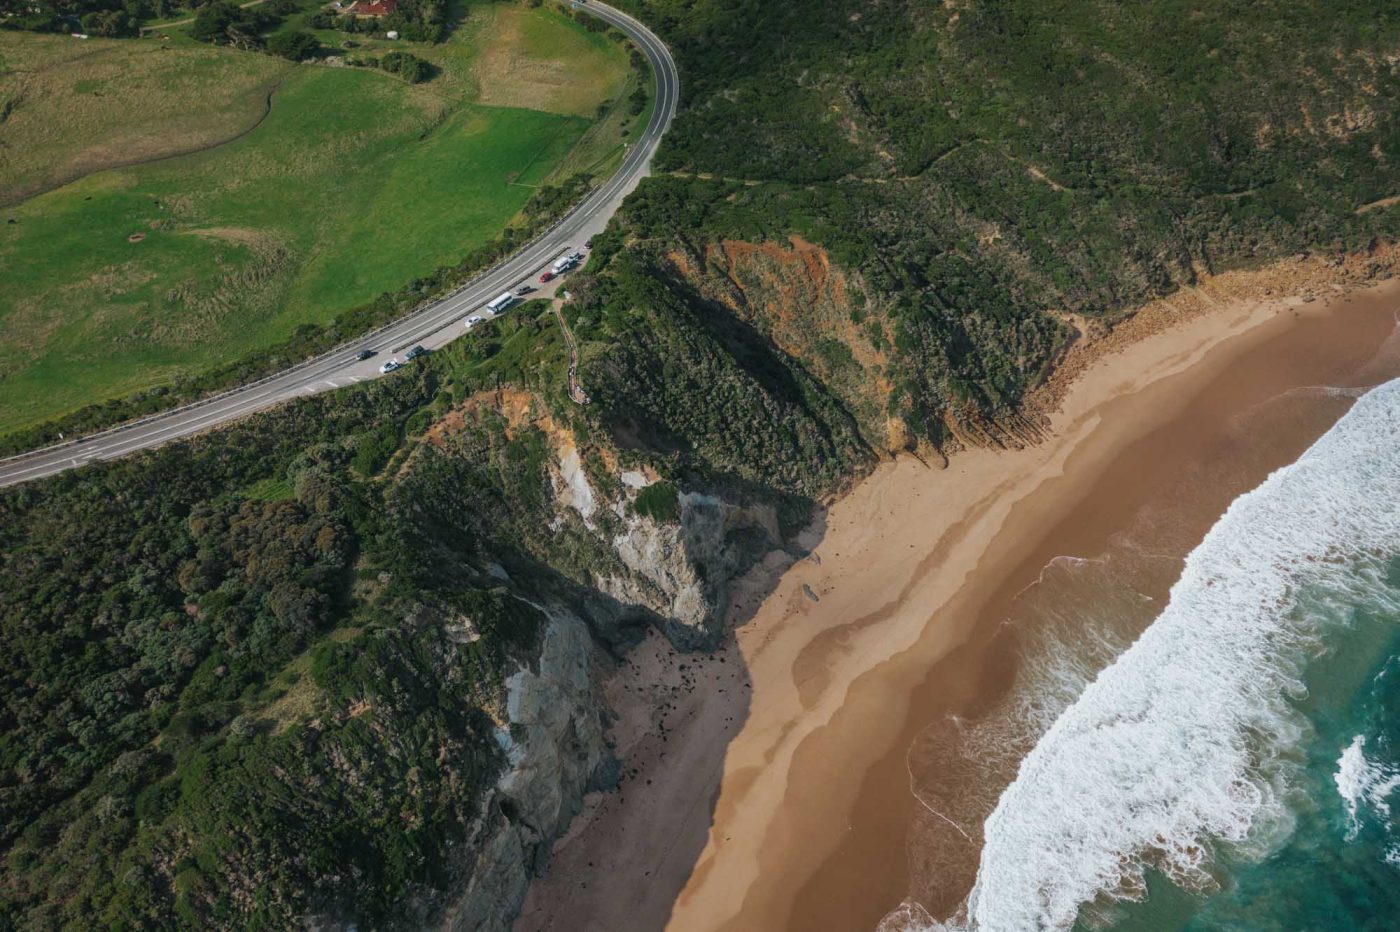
x: 1225, y: 758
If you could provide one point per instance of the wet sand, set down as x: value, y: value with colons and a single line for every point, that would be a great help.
x: 810, y: 824
x: 886, y: 626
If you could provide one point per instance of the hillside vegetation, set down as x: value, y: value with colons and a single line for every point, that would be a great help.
x: 244, y: 682
x: 978, y: 168
x: 258, y: 675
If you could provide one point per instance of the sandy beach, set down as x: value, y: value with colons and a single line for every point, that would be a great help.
x: 766, y: 785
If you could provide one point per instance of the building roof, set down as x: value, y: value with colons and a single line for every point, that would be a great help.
x: 375, y: 8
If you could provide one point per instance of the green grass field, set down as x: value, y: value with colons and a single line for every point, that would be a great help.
x: 73, y: 107
x: 354, y: 184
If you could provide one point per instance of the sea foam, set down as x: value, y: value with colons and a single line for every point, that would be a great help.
x: 1178, y: 745
x: 1363, y: 782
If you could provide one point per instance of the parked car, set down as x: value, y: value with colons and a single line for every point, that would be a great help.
x: 473, y: 320
x: 390, y: 366
x: 523, y: 290
x: 546, y: 277
x: 588, y: 243
x: 364, y: 354
x: 415, y: 353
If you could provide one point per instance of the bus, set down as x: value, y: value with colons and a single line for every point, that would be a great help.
x: 501, y: 304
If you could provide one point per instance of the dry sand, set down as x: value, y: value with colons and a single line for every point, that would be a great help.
x: 782, y: 784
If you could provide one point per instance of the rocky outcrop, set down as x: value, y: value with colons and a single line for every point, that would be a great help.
x: 553, y: 741
x: 688, y: 563
x: 675, y: 555
x: 678, y: 568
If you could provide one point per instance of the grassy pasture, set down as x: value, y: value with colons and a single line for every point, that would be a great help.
x: 353, y: 184
x: 73, y: 107
x: 505, y: 55
x: 525, y: 61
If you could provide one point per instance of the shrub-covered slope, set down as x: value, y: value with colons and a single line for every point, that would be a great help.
x: 984, y: 166
x: 335, y: 664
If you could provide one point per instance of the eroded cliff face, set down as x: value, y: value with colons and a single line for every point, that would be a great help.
x: 831, y: 323
x: 678, y: 569
x: 673, y: 566
x: 681, y: 569
x: 552, y: 736
x: 821, y: 316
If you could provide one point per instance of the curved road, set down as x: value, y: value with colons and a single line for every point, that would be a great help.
x: 431, y: 326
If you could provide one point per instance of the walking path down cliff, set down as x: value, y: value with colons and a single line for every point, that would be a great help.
x: 576, y: 391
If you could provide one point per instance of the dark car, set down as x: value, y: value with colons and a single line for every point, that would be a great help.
x: 364, y: 354
x: 588, y: 243
x: 415, y: 353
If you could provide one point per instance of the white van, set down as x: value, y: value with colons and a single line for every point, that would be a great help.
x: 502, y: 303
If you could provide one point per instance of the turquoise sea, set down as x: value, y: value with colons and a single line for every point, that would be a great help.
x: 1225, y: 757
x: 1338, y: 867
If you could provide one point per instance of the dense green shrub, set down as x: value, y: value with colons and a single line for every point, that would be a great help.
x: 411, y: 68
x: 222, y: 22
x: 110, y: 24
x: 983, y: 166
x: 659, y: 501
x: 106, y: 18
x: 208, y: 688
x: 295, y: 45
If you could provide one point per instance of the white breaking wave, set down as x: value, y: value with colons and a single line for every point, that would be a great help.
x: 1176, y: 745
x: 1361, y: 781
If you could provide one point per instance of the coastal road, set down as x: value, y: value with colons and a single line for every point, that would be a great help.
x: 430, y: 326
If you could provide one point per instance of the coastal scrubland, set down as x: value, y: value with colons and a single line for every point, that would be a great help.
x: 981, y: 170
x: 873, y: 228
x: 178, y: 747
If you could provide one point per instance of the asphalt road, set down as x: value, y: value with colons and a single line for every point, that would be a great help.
x: 432, y: 326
